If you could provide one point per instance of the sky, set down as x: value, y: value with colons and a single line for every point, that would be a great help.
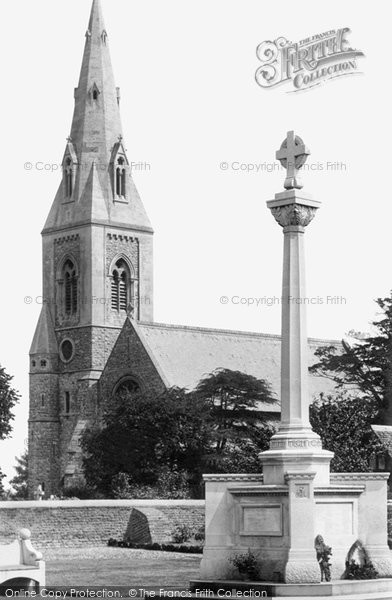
x: 199, y: 130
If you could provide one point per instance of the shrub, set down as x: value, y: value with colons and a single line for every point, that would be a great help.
x: 246, y: 564
x: 81, y: 492
x: 364, y: 571
x: 112, y: 542
x: 162, y: 547
x: 171, y: 484
x: 181, y: 534
x: 199, y: 534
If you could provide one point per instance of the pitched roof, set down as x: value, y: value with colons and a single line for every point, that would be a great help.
x: 44, y: 341
x: 186, y: 354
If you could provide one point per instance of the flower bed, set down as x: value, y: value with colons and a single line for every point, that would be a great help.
x: 185, y: 548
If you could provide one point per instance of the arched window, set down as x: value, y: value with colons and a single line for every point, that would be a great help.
x: 121, y: 286
x: 70, y: 288
x: 68, y: 178
x: 127, y: 387
x: 121, y: 177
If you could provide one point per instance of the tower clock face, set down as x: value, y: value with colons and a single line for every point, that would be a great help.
x: 66, y: 350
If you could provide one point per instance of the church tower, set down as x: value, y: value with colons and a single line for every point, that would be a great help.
x: 97, y: 267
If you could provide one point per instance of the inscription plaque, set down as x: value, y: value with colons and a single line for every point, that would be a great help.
x: 261, y: 519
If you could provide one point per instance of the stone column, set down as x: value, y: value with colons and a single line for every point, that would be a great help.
x: 295, y: 447
x: 293, y: 217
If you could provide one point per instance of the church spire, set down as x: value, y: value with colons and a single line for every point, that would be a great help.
x: 96, y: 17
x: 96, y: 124
x: 97, y: 184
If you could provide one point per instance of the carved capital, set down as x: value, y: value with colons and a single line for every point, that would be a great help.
x: 293, y: 215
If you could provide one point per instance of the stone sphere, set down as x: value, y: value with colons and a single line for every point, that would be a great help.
x: 25, y: 534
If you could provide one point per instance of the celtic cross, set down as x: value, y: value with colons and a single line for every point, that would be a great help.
x: 292, y: 156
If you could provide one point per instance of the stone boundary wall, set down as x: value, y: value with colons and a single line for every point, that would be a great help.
x: 75, y: 523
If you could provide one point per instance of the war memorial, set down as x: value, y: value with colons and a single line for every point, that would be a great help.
x: 281, y: 515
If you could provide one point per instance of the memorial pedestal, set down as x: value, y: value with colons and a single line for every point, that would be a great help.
x: 279, y: 523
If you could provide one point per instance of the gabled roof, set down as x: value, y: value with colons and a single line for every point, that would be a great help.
x: 184, y: 355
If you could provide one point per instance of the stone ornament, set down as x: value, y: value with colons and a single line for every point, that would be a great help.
x: 301, y: 491
x: 293, y: 215
x: 20, y: 561
x: 292, y: 155
x: 323, y: 553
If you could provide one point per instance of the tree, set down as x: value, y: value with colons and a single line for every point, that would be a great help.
x: 8, y: 398
x: 242, y: 455
x: 365, y: 364
x: 142, y: 435
x: 344, y: 425
x: 148, y: 444
x: 19, y: 481
x: 236, y: 400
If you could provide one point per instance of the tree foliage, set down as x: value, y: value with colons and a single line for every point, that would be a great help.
x: 344, y: 425
x: 365, y: 364
x: 161, y: 445
x: 19, y: 481
x: 142, y: 434
x: 234, y: 399
x: 242, y: 455
x: 8, y: 398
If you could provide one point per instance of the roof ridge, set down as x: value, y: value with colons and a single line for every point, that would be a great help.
x: 224, y: 331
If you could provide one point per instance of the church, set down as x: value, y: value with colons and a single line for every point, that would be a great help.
x: 96, y: 333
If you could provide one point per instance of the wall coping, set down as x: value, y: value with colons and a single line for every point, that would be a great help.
x: 46, y: 504
x: 360, y: 476
x: 233, y: 477
x: 259, y: 477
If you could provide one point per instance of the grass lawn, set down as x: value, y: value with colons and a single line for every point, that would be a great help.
x: 104, y: 566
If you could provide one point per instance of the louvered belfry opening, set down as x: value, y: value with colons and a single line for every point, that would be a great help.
x: 70, y: 288
x: 121, y: 284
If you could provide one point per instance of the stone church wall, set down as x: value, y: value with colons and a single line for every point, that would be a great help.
x: 129, y: 358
